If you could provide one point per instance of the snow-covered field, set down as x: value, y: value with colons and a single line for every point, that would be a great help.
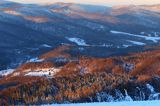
x: 154, y: 39
x: 135, y: 103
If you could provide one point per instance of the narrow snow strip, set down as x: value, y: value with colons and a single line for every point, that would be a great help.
x: 35, y: 60
x: 154, y: 39
x: 46, y: 45
x: 37, y: 74
x: 126, y: 46
x: 78, y: 41
x: 136, y: 43
x: 136, y: 103
x: 6, y: 72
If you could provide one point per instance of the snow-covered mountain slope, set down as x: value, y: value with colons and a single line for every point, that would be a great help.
x: 59, y: 76
x: 67, y: 53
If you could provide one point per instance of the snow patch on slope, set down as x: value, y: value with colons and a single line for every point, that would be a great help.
x: 6, y: 72
x: 35, y: 60
x: 154, y: 39
x: 43, y: 72
x: 78, y: 41
x: 46, y: 45
x: 126, y: 46
x: 136, y: 43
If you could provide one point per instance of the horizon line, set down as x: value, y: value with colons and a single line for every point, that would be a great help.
x: 83, y: 3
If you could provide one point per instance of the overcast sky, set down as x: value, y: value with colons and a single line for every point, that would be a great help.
x: 99, y: 2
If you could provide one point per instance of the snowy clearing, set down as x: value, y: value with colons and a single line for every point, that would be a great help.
x: 154, y: 39
x: 78, y: 41
x: 43, y: 72
x: 135, y: 103
x: 6, y: 72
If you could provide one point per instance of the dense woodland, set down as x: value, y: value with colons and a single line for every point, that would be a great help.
x: 88, y: 79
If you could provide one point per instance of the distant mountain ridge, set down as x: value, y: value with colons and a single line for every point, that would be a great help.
x: 31, y: 26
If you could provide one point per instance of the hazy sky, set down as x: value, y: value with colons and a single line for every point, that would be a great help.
x: 99, y: 2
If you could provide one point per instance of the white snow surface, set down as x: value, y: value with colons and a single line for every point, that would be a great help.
x: 136, y: 43
x: 125, y: 46
x: 6, y: 72
x: 46, y: 45
x: 35, y: 60
x: 43, y: 72
x: 154, y: 39
x: 78, y: 41
x: 125, y: 103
